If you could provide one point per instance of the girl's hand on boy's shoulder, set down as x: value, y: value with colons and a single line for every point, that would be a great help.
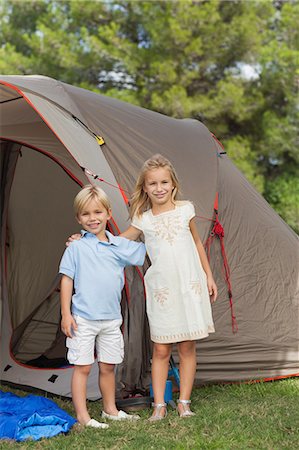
x: 212, y: 288
x: 73, y: 237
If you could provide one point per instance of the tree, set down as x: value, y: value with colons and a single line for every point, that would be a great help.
x: 182, y: 58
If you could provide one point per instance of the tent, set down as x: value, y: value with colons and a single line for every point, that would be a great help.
x: 56, y: 138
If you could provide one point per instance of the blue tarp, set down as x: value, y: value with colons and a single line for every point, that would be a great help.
x: 31, y: 417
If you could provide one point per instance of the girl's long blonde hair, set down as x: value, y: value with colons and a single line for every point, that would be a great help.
x: 140, y: 201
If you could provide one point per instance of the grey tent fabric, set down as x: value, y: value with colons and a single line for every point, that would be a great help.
x: 47, y: 136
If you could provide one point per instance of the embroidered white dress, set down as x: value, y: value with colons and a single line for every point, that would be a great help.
x: 178, y: 303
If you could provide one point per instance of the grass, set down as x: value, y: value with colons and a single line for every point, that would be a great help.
x: 231, y: 417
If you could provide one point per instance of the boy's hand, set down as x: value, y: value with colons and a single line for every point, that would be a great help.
x: 73, y: 237
x: 212, y: 288
x: 68, y: 324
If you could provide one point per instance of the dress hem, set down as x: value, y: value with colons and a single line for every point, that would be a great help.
x: 181, y: 337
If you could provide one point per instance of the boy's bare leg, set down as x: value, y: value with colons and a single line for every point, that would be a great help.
x: 79, y: 383
x: 160, y: 366
x: 107, y: 387
x: 187, y: 355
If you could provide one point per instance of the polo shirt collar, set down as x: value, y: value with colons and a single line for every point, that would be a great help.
x: 112, y: 240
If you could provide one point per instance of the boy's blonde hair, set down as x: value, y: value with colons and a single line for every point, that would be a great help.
x: 140, y: 201
x: 88, y: 193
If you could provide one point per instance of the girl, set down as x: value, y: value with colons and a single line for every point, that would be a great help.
x: 179, y: 284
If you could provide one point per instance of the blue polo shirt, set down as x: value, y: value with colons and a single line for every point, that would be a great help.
x: 97, y: 268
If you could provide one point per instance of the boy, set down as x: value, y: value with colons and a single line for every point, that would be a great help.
x: 91, y: 317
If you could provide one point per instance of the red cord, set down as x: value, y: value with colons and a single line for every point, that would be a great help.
x: 218, y: 231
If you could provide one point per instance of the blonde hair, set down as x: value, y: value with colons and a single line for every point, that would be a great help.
x: 88, y: 193
x: 140, y: 201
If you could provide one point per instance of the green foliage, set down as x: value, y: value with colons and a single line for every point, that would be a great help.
x: 283, y: 194
x: 182, y: 58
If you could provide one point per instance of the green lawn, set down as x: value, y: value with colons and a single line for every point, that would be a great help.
x: 245, y: 416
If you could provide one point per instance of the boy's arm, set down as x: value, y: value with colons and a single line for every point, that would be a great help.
x: 204, y: 261
x: 66, y: 291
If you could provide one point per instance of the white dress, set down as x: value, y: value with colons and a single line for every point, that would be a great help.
x: 177, y: 299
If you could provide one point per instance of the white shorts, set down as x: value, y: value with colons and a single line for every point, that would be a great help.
x: 102, y: 336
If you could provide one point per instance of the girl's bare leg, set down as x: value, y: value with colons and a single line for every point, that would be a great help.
x: 187, y: 355
x: 107, y: 387
x: 79, y: 383
x: 160, y: 366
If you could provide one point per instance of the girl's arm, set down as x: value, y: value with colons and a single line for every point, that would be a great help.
x: 66, y: 291
x: 131, y: 233
x: 204, y: 261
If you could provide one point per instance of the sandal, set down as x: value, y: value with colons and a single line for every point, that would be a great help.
x: 158, y: 415
x: 186, y: 408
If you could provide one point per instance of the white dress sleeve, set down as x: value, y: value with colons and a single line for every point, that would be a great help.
x: 137, y: 222
x: 190, y: 210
